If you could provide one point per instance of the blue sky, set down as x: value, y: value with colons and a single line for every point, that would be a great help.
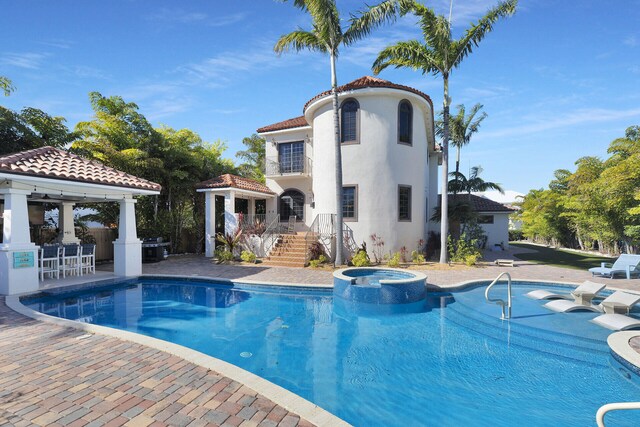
x: 559, y: 80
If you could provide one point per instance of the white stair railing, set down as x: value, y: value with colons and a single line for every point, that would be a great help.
x: 505, y: 305
x: 614, y: 407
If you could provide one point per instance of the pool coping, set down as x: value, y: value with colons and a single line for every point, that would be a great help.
x: 279, y: 395
x: 618, y: 341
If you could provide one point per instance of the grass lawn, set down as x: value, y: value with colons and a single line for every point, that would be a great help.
x: 559, y: 257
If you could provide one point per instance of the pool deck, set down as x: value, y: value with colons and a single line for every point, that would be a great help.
x: 60, y: 376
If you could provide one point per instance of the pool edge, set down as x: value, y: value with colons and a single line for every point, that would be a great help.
x: 279, y: 395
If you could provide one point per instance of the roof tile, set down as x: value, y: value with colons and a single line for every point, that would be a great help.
x: 234, y: 181
x: 51, y: 162
x: 480, y: 204
x: 296, y: 122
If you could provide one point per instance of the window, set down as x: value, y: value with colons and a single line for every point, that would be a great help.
x: 485, y: 219
x: 349, y: 121
x: 405, y: 122
x: 350, y: 202
x: 292, y: 203
x: 242, y: 206
x: 404, y: 203
x: 261, y: 207
x: 291, y: 157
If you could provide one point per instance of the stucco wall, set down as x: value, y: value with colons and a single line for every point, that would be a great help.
x: 377, y: 165
x: 498, y: 232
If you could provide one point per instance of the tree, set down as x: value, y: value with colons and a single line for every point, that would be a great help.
x: 31, y: 128
x: 326, y: 37
x: 6, y: 86
x: 121, y: 137
x: 460, y: 183
x: 461, y: 128
x: 254, y: 158
x: 438, y: 55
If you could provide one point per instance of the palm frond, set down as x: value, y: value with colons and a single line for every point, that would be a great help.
x: 375, y: 16
x: 474, y: 35
x: 410, y: 54
x: 299, y: 40
x: 326, y: 22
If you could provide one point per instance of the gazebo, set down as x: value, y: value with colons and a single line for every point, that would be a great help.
x: 51, y: 175
x: 235, y: 195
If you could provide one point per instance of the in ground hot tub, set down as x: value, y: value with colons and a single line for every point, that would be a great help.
x: 373, y: 285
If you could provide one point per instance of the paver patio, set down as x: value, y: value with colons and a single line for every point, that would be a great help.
x: 51, y: 375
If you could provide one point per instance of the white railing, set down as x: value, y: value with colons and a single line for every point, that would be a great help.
x: 271, y: 234
x: 321, y: 230
x: 505, y: 305
x: 289, y: 166
x: 614, y: 407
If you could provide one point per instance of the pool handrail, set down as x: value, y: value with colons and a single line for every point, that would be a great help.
x: 502, y: 303
x: 616, y: 406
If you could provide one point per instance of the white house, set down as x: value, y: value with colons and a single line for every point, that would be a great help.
x: 493, y: 217
x: 389, y: 164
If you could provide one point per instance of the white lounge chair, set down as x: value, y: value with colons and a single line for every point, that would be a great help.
x: 583, y: 294
x: 617, y: 302
x: 616, y: 322
x: 625, y: 264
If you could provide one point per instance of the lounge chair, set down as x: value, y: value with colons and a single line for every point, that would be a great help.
x: 583, y: 294
x: 625, y: 264
x: 617, y: 302
x: 616, y: 322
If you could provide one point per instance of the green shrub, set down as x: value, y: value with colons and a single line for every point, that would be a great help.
x: 464, y: 250
x: 223, y: 255
x: 248, y: 256
x: 315, y: 263
x: 394, y: 260
x: 417, y: 257
x: 515, y: 235
x: 361, y: 259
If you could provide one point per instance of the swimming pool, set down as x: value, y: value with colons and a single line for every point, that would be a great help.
x: 452, y: 362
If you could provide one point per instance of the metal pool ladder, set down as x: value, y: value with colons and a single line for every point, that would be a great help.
x: 505, y: 305
x: 614, y: 407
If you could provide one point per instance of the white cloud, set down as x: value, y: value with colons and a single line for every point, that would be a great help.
x: 179, y: 16
x: 28, y: 60
x: 631, y: 41
x: 563, y: 121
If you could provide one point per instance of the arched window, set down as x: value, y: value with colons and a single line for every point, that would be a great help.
x: 292, y: 203
x: 405, y: 122
x: 349, y: 121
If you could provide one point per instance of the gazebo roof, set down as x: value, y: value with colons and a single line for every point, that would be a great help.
x: 234, y: 181
x: 53, y: 163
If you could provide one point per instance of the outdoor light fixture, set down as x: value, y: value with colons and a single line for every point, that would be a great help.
x: 274, y: 142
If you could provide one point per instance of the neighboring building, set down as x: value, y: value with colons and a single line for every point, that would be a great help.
x: 389, y: 163
x: 510, y: 199
x: 493, y: 217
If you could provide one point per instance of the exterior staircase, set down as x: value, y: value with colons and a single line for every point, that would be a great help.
x: 289, y: 251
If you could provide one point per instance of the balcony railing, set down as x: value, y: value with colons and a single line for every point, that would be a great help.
x: 289, y: 166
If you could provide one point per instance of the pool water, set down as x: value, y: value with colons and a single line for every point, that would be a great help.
x: 368, y: 276
x: 452, y: 362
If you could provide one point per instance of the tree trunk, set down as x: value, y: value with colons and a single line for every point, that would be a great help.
x: 338, y: 162
x: 444, y: 202
x: 455, y: 191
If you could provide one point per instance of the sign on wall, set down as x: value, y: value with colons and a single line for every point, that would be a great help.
x: 23, y: 259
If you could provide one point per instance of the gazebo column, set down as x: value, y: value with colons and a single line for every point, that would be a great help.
x: 230, y: 220
x: 127, y: 248
x: 18, y: 255
x: 210, y: 223
x: 67, y: 228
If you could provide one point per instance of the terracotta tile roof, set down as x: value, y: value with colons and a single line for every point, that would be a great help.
x: 53, y: 163
x: 296, y: 122
x: 234, y: 181
x: 367, y: 82
x: 480, y: 204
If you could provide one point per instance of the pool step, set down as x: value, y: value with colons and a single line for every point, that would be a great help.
x: 583, y: 350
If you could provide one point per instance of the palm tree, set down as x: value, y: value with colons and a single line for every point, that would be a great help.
x: 461, y: 128
x: 460, y: 183
x: 326, y: 37
x: 438, y: 55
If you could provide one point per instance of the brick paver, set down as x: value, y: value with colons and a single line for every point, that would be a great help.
x: 56, y: 376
